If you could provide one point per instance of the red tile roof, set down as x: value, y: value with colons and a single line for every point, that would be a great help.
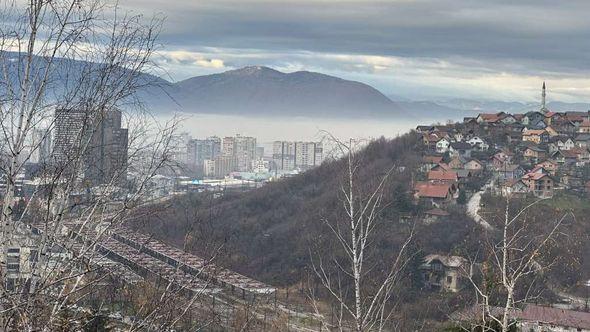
x: 442, y: 176
x: 532, y: 132
x: 534, y: 176
x: 433, y: 190
x: 443, y: 167
x: 490, y: 117
x: 572, y: 153
x: 555, y: 316
x: 432, y: 159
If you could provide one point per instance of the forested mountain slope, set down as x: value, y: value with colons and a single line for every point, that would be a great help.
x: 271, y: 232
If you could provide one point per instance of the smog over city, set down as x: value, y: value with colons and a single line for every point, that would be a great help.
x: 297, y: 165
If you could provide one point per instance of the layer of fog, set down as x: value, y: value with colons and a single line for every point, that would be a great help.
x: 268, y: 129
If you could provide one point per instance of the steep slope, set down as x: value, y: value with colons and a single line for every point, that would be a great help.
x: 271, y: 232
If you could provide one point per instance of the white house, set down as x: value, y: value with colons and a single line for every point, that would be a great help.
x: 442, y: 145
x: 478, y: 143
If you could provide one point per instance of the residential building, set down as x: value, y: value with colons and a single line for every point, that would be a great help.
x: 436, y: 193
x: 242, y: 148
x: 534, y: 120
x: 72, y: 127
x: 460, y: 149
x: 478, y: 143
x: 500, y: 159
x: 537, y: 318
x: 534, y: 153
x: 550, y: 166
x: 429, y: 161
x: 209, y: 167
x: 179, y: 148
x: 540, y: 184
x: 199, y: 150
x: 584, y: 127
x: 308, y: 155
x: 490, y: 118
x: 100, y: 139
x: 474, y: 165
x: 260, y: 165
x: 40, y: 146
x: 457, y: 162
x: 551, y: 131
x: 509, y: 172
x: 582, y: 140
x: 442, y: 145
x: 530, y: 318
x: 289, y: 156
x: 444, y: 273
x: 430, y: 140
x: 561, y: 143
x: 514, y: 187
x: 283, y: 155
x: 221, y: 166
x: 536, y: 136
x: 442, y: 176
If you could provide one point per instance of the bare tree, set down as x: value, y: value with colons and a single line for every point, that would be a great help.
x: 86, y: 60
x: 368, y: 302
x: 516, y: 253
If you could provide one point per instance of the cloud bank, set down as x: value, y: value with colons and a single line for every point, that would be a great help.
x: 420, y: 49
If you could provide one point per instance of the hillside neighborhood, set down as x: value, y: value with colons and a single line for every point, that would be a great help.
x: 539, y: 155
x: 536, y: 153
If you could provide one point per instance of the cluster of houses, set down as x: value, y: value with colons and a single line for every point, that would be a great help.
x: 533, y: 153
x: 536, y: 153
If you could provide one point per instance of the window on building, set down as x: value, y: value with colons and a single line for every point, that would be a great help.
x: 13, y: 259
x: 33, y: 256
x: 14, y: 267
x: 13, y: 250
x: 10, y: 283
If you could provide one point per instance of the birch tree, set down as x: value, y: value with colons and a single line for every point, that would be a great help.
x: 516, y: 253
x: 67, y: 56
x: 367, y: 303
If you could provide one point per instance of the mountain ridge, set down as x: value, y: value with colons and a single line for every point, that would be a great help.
x: 262, y: 90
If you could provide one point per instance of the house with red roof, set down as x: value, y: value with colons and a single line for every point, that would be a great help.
x: 548, y: 165
x: 437, y: 193
x: 541, y: 185
x: 530, y: 317
x: 442, y: 176
x: 537, y: 136
x: 584, y: 127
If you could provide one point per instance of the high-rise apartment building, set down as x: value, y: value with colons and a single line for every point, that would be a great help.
x: 220, y: 166
x: 199, y: 150
x: 96, y: 141
x: 243, y: 148
x: 289, y: 156
x: 283, y: 155
x: 179, y: 147
x: 40, y: 146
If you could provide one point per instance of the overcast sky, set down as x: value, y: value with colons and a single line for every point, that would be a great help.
x: 413, y: 49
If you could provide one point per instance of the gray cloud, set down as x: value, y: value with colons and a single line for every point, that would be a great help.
x: 526, y: 38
